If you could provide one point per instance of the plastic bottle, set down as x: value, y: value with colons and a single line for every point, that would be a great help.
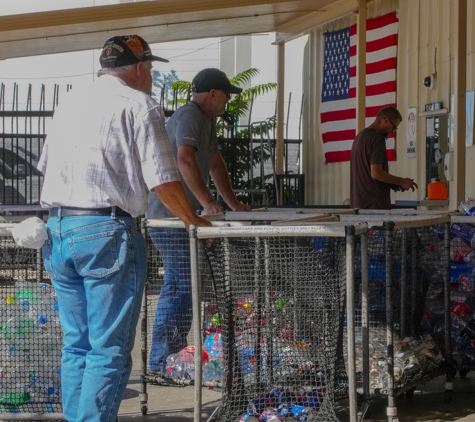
x: 426, y: 323
x: 213, y: 345
x: 13, y: 399
x: 468, y: 330
x: 20, y: 327
x: 212, y: 371
x: 308, y: 414
x: 8, y: 309
x: 374, y: 374
x: 465, y: 231
x: 461, y: 310
x: 460, y: 250
x: 467, y: 206
x: 429, y: 261
x: 250, y: 417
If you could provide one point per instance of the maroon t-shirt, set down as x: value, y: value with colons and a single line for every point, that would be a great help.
x: 369, y: 147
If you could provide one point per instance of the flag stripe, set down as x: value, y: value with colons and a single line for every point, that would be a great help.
x: 338, y: 106
x: 337, y: 156
x: 382, y: 21
x: 340, y: 135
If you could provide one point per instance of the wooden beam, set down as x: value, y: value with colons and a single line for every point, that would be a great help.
x: 457, y: 186
x: 361, y: 67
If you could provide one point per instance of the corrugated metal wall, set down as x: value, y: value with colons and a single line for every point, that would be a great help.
x: 425, y: 47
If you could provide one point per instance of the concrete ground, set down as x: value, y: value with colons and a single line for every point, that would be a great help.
x: 174, y: 404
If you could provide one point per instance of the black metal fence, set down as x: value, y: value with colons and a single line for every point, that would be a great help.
x: 251, y: 165
x: 250, y: 159
x: 22, y: 134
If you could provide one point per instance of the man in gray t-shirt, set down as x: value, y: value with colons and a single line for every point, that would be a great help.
x: 191, y: 130
x: 192, y: 133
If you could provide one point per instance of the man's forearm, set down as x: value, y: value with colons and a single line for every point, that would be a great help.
x: 223, y: 184
x: 173, y: 196
x: 386, y: 177
x: 195, y: 183
x: 220, y: 176
x: 404, y: 183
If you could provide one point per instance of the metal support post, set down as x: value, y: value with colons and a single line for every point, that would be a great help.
x: 196, y: 299
x: 391, y: 409
x: 403, y: 324
x: 365, y: 410
x: 143, y: 396
x: 350, y: 320
x: 449, y: 386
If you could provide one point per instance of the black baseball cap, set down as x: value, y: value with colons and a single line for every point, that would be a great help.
x: 211, y: 78
x: 126, y: 49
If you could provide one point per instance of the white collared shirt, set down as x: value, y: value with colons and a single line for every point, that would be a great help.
x: 107, y: 146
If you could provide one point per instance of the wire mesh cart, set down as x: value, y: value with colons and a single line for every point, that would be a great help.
x: 179, y: 372
x: 30, y: 336
x: 402, y: 305
x: 280, y: 292
x: 462, y: 272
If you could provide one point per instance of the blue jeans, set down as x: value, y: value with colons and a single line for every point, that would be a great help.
x: 98, y: 268
x: 173, y: 315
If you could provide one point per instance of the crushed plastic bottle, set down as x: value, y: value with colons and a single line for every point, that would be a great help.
x: 465, y: 231
x: 467, y: 206
x: 8, y: 400
x: 182, y: 364
x: 429, y: 261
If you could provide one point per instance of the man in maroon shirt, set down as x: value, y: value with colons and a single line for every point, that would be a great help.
x: 370, y: 180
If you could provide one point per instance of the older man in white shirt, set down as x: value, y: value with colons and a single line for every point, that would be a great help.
x: 106, y: 150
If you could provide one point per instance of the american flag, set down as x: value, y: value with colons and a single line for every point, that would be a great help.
x: 338, y: 106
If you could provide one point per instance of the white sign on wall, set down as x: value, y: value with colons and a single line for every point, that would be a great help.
x: 411, y: 132
x: 469, y: 108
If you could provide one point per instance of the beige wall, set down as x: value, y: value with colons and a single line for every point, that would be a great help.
x: 425, y: 46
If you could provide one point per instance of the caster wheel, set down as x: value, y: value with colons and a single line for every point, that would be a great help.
x: 144, y: 409
x: 463, y: 373
x: 410, y: 393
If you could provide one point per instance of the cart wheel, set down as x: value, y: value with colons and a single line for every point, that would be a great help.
x: 463, y: 372
x: 448, y: 396
x: 410, y: 393
x: 144, y: 409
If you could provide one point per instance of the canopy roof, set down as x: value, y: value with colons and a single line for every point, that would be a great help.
x: 158, y: 21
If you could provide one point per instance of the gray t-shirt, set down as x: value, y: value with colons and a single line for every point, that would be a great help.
x: 188, y: 125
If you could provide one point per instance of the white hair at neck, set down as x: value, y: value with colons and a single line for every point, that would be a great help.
x: 114, y: 71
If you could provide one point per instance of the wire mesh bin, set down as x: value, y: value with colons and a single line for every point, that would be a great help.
x: 280, y: 294
x: 462, y: 268
x: 403, y: 299
x: 30, y: 336
x: 179, y: 370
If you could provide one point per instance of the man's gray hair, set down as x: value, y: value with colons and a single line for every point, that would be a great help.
x: 114, y: 70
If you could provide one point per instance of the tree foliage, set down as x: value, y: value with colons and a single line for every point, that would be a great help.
x: 163, y: 82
